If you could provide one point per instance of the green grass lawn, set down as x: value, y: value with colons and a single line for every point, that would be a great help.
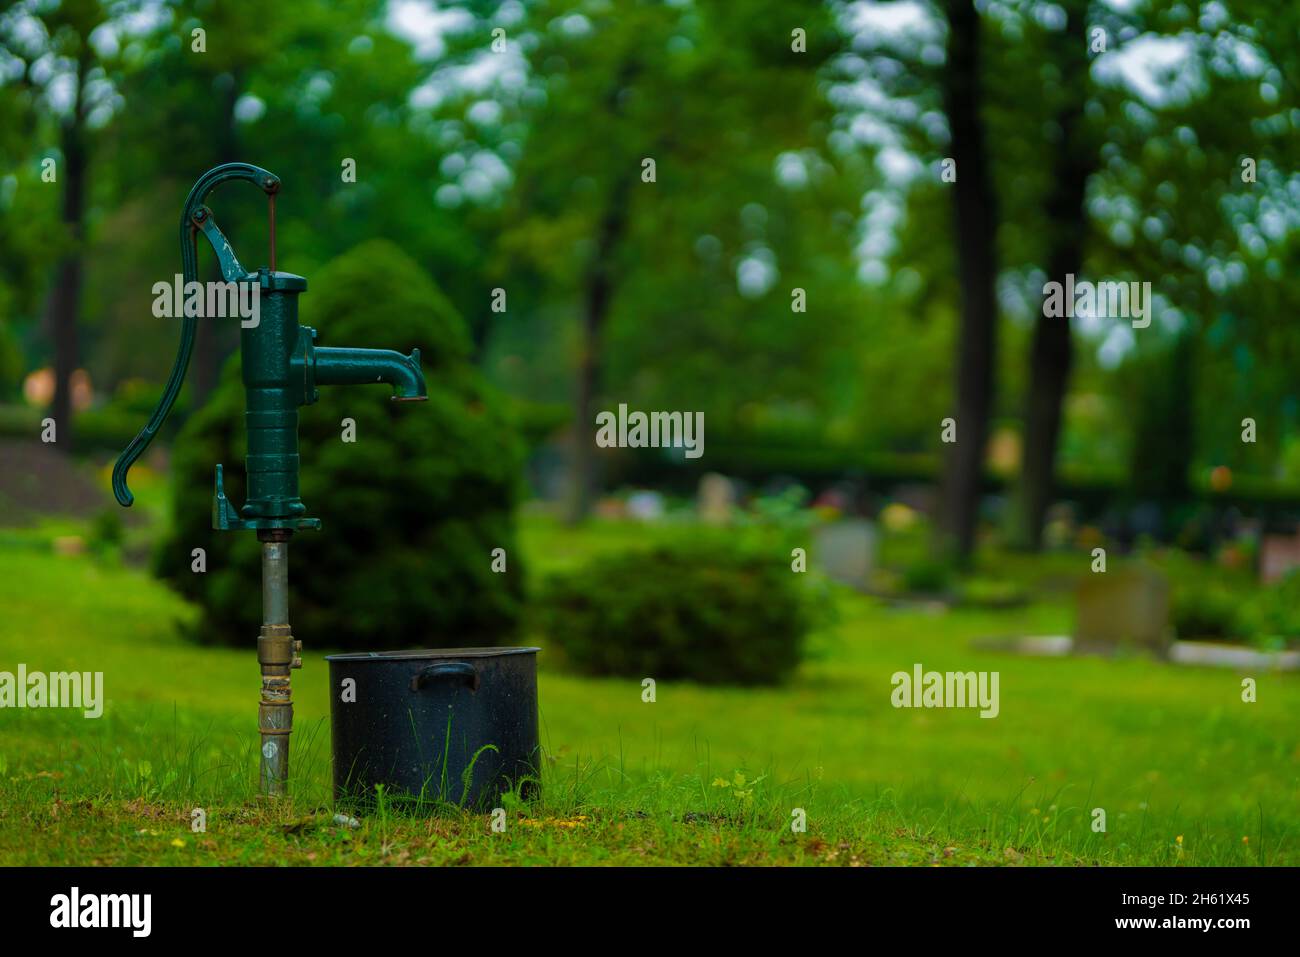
x: 1184, y: 770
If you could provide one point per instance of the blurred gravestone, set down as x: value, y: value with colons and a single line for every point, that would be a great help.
x: 1123, y: 608
x: 1278, y: 554
x: 715, y: 499
x: 645, y: 506
x: 846, y: 551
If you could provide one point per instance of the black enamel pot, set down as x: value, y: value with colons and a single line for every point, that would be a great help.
x: 456, y: 724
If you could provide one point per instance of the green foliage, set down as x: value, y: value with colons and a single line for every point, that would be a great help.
x: 701, y: 610
x: 741, y: 189
x: 1212, y: 604
x: 1271, y: 618
x: 1205, y: 611
x: 984, y: 592
x: 20, y: 421
x: 764, y: 159
x: 928, y: 576
x: 107, y: 531
x: 11, y: 361
x: 411, y: 511
x: 1162, y: 441
x: 786, y: 509
x: 111, y: 426
x: 539, y: 421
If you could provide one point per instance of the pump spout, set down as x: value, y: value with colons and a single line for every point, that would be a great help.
x: 335, y: 366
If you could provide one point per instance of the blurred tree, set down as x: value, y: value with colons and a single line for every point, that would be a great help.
x: 975, y: 233
x: 654, y: 141
x: 1129, y: 164
x: 1074, y: 158
x: 71, y: 74
x: 1162, y: 434
x: 916, y: 90
x: 1197, y: 193
x: 493, y: 164
x: 29, y: 230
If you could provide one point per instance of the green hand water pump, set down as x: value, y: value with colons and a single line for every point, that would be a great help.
x: 282, y: 367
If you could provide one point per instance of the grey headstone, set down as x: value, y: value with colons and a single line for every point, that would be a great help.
x: 1123, y: 608
x: 846, y: 551
x: 715, y: 499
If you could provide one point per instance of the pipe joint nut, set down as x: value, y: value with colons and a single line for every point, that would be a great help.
x: 275, y: 718
x: 275, y: 646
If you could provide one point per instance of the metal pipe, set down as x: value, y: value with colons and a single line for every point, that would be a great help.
x: 275, y: 583
x: 338, y: 366
x: 277, y: 654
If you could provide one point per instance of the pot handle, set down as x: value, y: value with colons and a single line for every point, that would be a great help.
x: 447, y: 669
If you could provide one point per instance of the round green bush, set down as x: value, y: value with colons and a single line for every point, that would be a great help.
x: 704, y: 611
x: 411, y: 511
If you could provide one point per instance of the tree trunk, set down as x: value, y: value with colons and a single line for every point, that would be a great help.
x: 598, y: 293
x: 599, y: 290
x: 976, y: 232
x: 1051, y: 352
x: 65, y: 298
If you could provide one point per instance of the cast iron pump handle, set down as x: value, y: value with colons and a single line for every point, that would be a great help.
x: 195, y: 216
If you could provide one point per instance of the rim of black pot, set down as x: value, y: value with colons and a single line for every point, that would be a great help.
x: 432, y: 653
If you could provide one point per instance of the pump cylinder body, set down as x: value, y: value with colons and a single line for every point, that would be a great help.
x: 274, y: 384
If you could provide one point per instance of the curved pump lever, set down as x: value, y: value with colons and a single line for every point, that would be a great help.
x: 194, y: 216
